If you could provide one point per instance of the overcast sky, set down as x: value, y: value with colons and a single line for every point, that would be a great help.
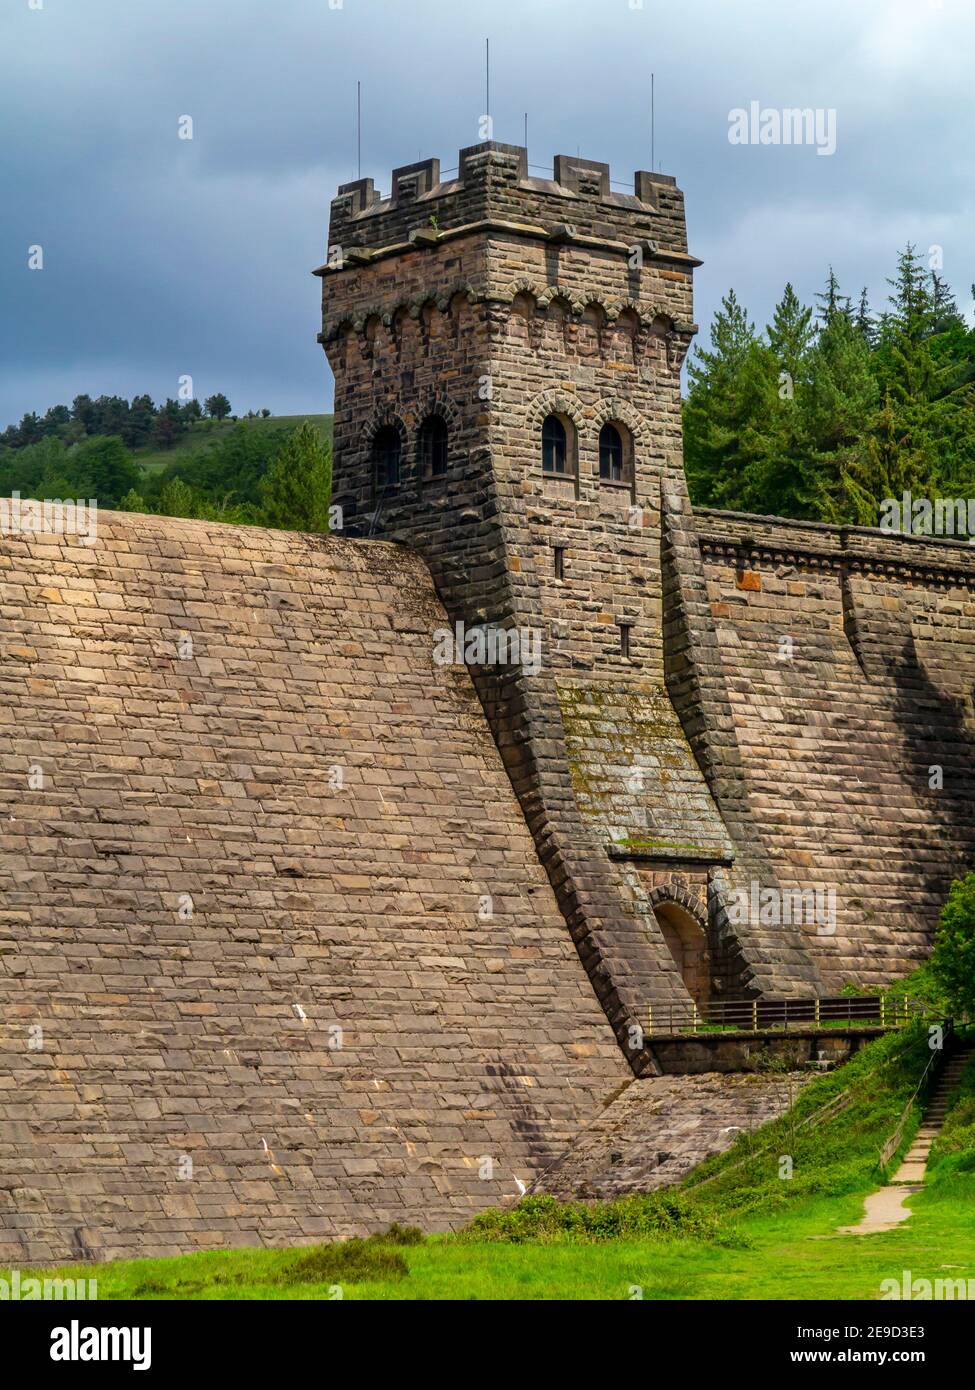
x: 165, y: 257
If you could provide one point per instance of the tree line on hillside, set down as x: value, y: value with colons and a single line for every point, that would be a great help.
x: 831, y: 410
x: 269, y: 476
x: 822, y: 416
x: 138, y: 423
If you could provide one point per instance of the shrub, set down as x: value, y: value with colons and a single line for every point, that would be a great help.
x: 634, y: 1217
x: 953, y: 958
x: 398, y: 1235
x: 348, y: 1261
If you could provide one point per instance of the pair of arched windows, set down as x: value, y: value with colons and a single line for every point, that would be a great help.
x: 387, y: 452
x: 614, y: 465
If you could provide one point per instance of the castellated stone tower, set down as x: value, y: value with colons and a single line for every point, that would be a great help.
x: 507, y: 354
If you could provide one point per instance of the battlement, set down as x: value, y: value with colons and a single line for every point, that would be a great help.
x: 493, y: 182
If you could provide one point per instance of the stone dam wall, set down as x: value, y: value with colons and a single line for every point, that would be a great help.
x: 280, y: 956
x: 842, y: 726
x: 278, y: 960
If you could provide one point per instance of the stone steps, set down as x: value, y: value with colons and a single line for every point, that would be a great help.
x: 914, y: 1163
x: 886, y: 1208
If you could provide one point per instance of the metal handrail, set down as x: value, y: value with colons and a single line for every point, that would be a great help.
x: 764, y: 1014
x: 817, y: 1117
x: 890, y: 1147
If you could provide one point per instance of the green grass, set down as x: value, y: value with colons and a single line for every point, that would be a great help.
x: 746, y: 1234
x: 202, y: 437
x: 795, y: 1256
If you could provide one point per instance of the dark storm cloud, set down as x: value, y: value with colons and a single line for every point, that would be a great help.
x: 165, y: 257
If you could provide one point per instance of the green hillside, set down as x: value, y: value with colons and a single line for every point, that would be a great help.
x: 204, y: 435
x: 270, y: 471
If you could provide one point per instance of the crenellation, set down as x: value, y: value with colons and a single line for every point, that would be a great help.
x: 579, y: 309
x: 485, y: 870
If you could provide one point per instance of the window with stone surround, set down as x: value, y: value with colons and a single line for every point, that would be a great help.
x: 432, y: 447
x: 555, y: 447
x: 387, y: 451
x: 615, y: 454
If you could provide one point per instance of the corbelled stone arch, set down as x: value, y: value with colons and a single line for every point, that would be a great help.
x: 342, y: 341
x: 528, y: 287
x: 684, y: 927
x: 591, y: 323
x: 341, y: 325
x: 431, y: 318
x: 399, y: 319
x: 459, y: 287
x: 524, y: 320
x: 458, y: 302
x: 373, y: 335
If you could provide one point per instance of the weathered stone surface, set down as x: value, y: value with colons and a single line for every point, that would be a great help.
x: 660, y: 781
x: 661, y: 1127
x: 849, y: 677
x: 290, y: 945
x: 212, y: 1037
x: 539, y: 297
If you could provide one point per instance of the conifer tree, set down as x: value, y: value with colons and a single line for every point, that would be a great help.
x: 297, y: 486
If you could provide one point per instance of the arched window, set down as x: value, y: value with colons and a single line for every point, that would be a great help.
x: 555, y: 451
x: 433, y: 447
x: 611, y: 458
x: 386, y: 451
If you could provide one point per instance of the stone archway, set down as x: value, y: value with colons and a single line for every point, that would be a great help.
x: 688, y: 944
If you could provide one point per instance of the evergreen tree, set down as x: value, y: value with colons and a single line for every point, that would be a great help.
x: 831, y: 302
x: 30, y: 429
x: 944, y: 310
x: 140, y: 424
x: 791, y: 333
x: 297, y: 487
x: 111, y: 414
x: 107, y: 465
x: 733, y: 392
x: 865, y: 322
x: 218, y: 406
x: 83, y: 410
x: 56, y: 419
x: 133, y: 501
x: 170, y: 424
x: 176, y: 499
